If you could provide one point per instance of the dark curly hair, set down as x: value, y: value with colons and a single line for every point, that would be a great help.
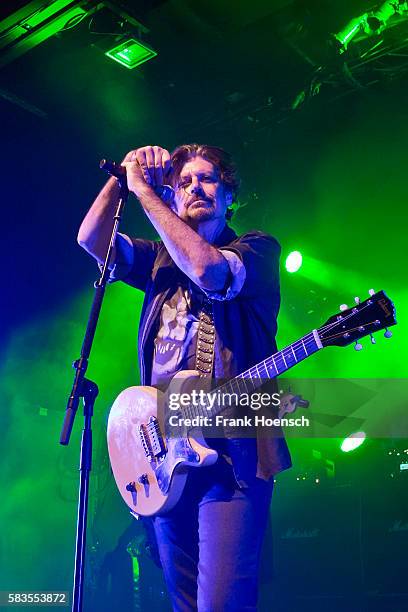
x: 218, y: 157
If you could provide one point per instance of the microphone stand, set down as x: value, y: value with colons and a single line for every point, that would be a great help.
x: 88, y: 391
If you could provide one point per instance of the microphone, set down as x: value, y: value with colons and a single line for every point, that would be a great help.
x: 165, y: 192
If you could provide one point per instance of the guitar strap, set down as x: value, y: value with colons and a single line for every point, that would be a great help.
x: 205, y: 340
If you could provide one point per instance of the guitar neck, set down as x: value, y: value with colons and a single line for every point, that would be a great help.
x: 254, y: 377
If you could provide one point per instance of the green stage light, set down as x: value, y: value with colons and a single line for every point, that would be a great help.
x: 293, y: 261
x: 349, y: 31
x: 353, y: 441
x: 131, y: 53
x: 378, y: 20
x: 371, y: 23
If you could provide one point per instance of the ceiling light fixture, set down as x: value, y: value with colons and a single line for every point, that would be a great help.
x: 131, y: 53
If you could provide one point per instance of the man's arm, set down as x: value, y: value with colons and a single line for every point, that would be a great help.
x: 96, y: 228
x: 197, y: 258
x: 200, y: 261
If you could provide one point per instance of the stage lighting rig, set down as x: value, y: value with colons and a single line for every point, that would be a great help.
x: 377, y: 20
x: 37, y: 21
x: 119, y: 33
x: 370, y: 23
x: 355, y: 25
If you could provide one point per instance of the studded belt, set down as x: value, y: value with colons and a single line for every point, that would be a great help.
x: 205, y: 340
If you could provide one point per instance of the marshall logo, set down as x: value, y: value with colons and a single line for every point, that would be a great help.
x: 296, y: 534
x: 398, y: 526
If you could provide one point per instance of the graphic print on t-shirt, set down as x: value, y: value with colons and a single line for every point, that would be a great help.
x: 175, y: 343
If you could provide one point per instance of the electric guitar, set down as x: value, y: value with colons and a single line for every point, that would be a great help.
x: 150, y: 467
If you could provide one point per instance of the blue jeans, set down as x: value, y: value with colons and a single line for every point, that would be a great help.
x: 210, y: 542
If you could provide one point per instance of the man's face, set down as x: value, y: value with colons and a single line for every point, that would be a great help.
x: 199, y: 194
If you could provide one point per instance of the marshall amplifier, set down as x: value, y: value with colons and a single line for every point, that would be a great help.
x: 317, y: 544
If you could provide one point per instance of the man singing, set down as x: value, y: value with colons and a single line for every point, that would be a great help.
x: 211, y: 302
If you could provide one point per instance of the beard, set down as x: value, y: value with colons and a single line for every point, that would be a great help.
x: 201, y: 213
x: 201, y: 208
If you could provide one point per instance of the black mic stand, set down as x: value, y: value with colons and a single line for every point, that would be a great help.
x: 88, y: 390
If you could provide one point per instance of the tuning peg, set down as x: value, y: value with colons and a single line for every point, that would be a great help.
x: 343, y: 307
x: 387, y: 333
x: 357, y: 300
x: 372, y: 339
x: 358, y: 346
x: 371, y: 292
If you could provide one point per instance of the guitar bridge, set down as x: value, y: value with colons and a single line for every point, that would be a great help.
x: 152, y: 439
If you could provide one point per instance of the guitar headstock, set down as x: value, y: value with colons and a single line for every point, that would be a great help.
x: 351, y: 324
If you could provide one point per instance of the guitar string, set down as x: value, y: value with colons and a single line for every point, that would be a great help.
x: 348, y: 331
x: 351, y: 314
x: 306, y: 341
x: 324, y: 329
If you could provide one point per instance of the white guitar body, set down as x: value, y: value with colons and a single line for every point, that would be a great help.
x: 150, y: 470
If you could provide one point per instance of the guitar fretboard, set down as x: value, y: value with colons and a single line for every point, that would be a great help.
x: 254, y: 377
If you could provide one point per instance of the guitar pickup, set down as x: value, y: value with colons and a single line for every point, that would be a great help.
x: 152, y: 439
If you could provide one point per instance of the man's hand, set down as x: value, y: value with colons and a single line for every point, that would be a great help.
x: 146, y: 166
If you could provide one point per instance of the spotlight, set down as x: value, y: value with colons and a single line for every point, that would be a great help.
x: 370, y: 23
x: 345, y: 35
x: 377, y: 20
x: 293, y: 261
x: 353, y: 441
